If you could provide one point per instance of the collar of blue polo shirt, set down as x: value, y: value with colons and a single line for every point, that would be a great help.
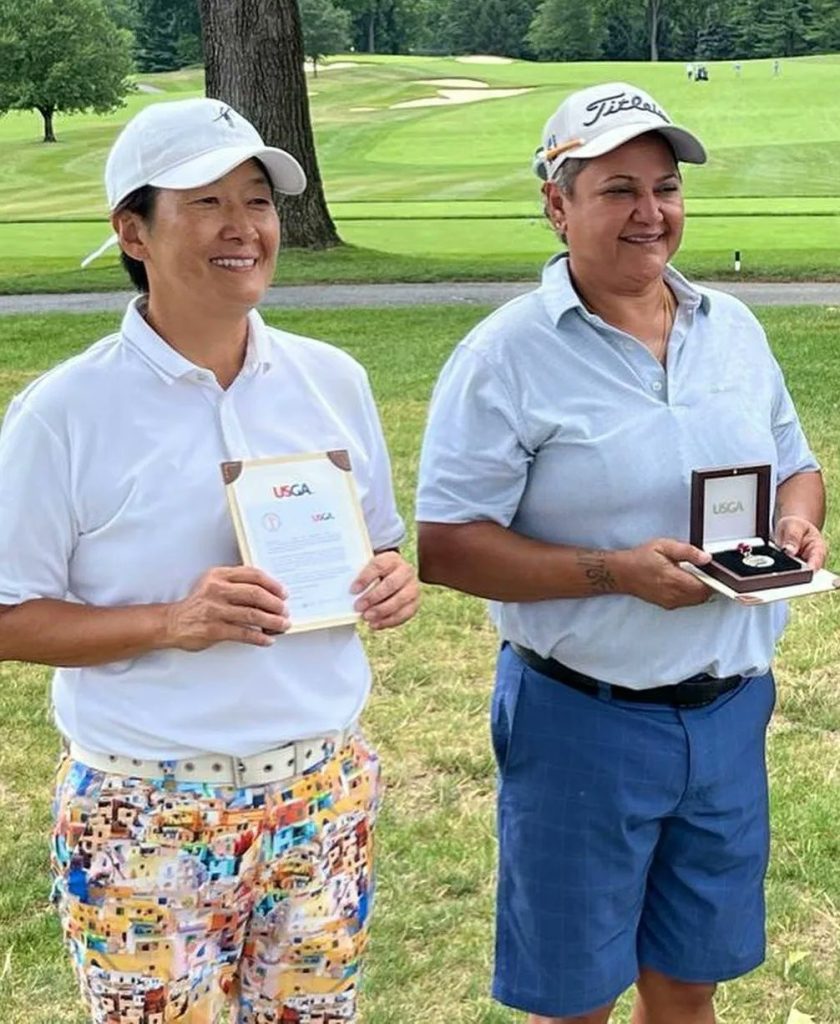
x: 730, y: 518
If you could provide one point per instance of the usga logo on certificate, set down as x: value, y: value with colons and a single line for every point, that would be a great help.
x: 291, y: 490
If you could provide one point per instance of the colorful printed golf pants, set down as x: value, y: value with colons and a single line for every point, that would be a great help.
x: 176, y: 900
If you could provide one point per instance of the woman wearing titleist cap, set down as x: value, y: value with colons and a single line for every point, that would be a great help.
x: 630, y: 711
x: 213, y: 813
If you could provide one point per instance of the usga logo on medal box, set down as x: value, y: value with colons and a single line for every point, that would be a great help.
x: 291, y: 490
x: 727, y: 507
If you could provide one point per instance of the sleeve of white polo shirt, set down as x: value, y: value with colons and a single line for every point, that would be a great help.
x: 793, y: 453
x: 474, y: 462
x: 38, y: 532
x: 385, y: 526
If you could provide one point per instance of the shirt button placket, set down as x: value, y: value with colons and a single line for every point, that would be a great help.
x: 232, y: 432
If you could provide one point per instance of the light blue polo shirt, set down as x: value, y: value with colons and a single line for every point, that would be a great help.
x: 554, y: 424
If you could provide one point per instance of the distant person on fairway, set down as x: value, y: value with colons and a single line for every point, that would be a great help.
x: 215, y: 806
x: 630, y: 710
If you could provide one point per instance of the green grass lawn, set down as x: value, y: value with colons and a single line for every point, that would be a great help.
x: 430, y: 954
x: 446, y: 191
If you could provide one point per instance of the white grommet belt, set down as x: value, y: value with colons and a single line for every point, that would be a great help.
x: 273, y: 765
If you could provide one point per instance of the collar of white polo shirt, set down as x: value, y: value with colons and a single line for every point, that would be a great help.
x: 168, y: 362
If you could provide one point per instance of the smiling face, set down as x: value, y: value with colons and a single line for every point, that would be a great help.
x: 623, y: 219
x: 212, y: 248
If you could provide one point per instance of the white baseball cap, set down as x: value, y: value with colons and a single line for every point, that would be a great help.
x: 186, y: 144
x: 596, y: 120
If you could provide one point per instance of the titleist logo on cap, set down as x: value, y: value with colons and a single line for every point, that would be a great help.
x: 606, y: 106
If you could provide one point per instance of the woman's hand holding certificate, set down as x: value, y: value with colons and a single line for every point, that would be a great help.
x: 298, y: 518
x: 234, y: 603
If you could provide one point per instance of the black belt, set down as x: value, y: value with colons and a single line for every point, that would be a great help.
x: 690, y: 693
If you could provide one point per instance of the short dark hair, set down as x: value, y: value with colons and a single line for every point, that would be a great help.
x: 141, y: 202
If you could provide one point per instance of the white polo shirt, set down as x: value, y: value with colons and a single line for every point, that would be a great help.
x: 111, y: 494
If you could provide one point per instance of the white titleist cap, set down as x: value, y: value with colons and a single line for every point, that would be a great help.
x: 596, y: 120
x: 187, y: 144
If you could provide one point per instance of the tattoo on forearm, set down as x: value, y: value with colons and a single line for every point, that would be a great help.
x: 594, y: 566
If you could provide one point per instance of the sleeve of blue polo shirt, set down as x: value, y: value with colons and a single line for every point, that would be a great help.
x: 475, y: 458
x: 792, y: 450
x: 37, y: 533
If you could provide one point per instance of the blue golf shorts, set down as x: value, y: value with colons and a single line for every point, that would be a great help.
x: 630, y: 835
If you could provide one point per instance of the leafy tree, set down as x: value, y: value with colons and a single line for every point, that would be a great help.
x: 387, y: 26
x: 326, y: 29
x: 123, y: 13
x: 713, y: 42
x: 168, y: 34
x: 61, y: 56
x: 491, y: 26
x: 565, y: 30
x: 824, y: 34
x: 431, y: 31
x: 622, y: 30
x: 687, y: 21
x: 784, y: 28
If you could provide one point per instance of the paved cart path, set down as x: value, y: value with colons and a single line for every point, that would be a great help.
x: 809, y: 293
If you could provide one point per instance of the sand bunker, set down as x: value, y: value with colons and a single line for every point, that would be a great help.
x: 484, y: 59
x: 454, y: 83
x: 449, y: 97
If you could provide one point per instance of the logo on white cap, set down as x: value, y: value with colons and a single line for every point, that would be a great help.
x: 607, y: 106
x: 593, y: 121
x: 225, y: 115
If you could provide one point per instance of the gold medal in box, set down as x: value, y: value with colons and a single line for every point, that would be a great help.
x: 730, y: 518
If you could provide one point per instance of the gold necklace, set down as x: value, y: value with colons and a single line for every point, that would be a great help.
x: 660, y: 349
x: 659, y: 353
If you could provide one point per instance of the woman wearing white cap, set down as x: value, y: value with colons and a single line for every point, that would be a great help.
x: 213, y: 815
x: 630, y: 711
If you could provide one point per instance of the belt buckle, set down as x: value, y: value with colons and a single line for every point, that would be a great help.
x: 170, y: 784
x: 238, y: 769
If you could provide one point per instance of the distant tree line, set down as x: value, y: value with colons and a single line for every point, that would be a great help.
x: 597, y: 29
x: 167, y: 33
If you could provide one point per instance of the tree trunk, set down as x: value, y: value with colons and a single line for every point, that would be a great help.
x: 253, y: 55
x: 372, y: 30
x: 47, y: 114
